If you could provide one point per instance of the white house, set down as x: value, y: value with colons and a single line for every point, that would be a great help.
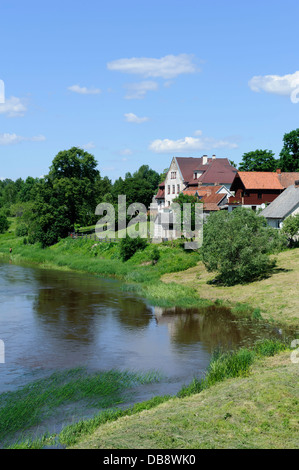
x: 287, y: 203
x: 189, y: 172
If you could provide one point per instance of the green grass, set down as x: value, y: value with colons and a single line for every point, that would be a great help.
x: 252, y: 402
x: 228, y: 364
x: 223, y: 366
x: 35, y: 403
x: 103, y: 259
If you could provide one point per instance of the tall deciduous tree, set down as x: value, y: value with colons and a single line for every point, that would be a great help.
x: 258, y: 160
x: 289, y: 155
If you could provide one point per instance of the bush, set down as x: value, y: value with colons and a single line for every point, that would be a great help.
x: 129, y: 246
x: 291, y: 228
x: 4, y: 224
x: 155, y: 255
x: 237, y: 245
x: 21, y: 230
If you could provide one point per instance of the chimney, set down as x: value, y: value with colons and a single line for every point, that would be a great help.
x: 204, y: 159
x: 214, y: 157
x: 278, y: 171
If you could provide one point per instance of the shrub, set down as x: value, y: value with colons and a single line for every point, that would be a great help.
x: 155, y: 255
x: 291, y: 228
x: 4, y: 223
x: 21, y: 230
x: 237, y: 245
x: 129, y: 246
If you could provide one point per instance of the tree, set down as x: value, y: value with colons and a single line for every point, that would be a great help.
x: 49, y: 218
x: 163, y: 175
x: 291, y: 227
x: 129, y: 246
x: 289, y: 155
x: 4, y: 223
x: 74, y: 163
x: 258, y: 160
x: 237, y: 245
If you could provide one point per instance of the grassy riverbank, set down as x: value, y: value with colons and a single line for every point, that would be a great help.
x: 185, y: 281
x: 276, y: 296
x: 103, y: 259
x: 248, y: 399
x: 258, y: 410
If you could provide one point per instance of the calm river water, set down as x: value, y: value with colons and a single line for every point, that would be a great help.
x: 53, y: 320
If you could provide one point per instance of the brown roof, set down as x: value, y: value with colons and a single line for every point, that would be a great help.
x: 187, y: 165
x: 209, y: 196
x: 211, y: 206
x: 160, y: 194
x: 219, y: 171
x: 216, y: 170
x: 288, y: 178
x: 259, y: 180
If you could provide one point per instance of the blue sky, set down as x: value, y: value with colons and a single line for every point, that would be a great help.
x: 136, y: 82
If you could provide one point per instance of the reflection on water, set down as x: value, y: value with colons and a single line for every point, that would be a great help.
x: 53, y: 320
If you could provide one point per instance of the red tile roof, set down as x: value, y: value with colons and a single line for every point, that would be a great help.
x: 288, y: 178
x: 258, y: 180
x: 209, y: 196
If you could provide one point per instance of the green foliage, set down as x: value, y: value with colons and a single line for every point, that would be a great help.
x: 4, y: 223
x: 155, y: 255
x: 74, y: 163
x: 229, y: 364
x: 258, y: 160
x: 129, y: 246
x: 21, y: 230
x: 29, y: 405
x: 291, y: 227
x: 289, y: 155
x: 237, y: 245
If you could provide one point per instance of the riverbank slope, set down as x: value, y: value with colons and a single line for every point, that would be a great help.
x: 276, y: 296
x: 177, y: 279
x: 258, y: 411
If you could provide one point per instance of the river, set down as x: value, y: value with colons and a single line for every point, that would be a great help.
x: 52, y: 320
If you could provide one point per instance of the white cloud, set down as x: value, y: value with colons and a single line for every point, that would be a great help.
x: 189, y: 144
x: 88, y: 146
x: 126, y: 152
x: 131, y: 117
x: 139, y: 90
x: 198, y: 132
x: 83, y: 90
x: 277, y: 84
x: 13, y: 107
x: 167, y: 67
x: 10, y: 139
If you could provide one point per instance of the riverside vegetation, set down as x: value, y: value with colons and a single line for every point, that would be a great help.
x: 167, y: 275
x: 166, y: 421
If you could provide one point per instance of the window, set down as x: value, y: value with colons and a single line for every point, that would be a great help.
x: 173, y: 175
x: 259, y: 195
x: 173, y: 189
x: 178, y: 188
x: 168, y: 189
